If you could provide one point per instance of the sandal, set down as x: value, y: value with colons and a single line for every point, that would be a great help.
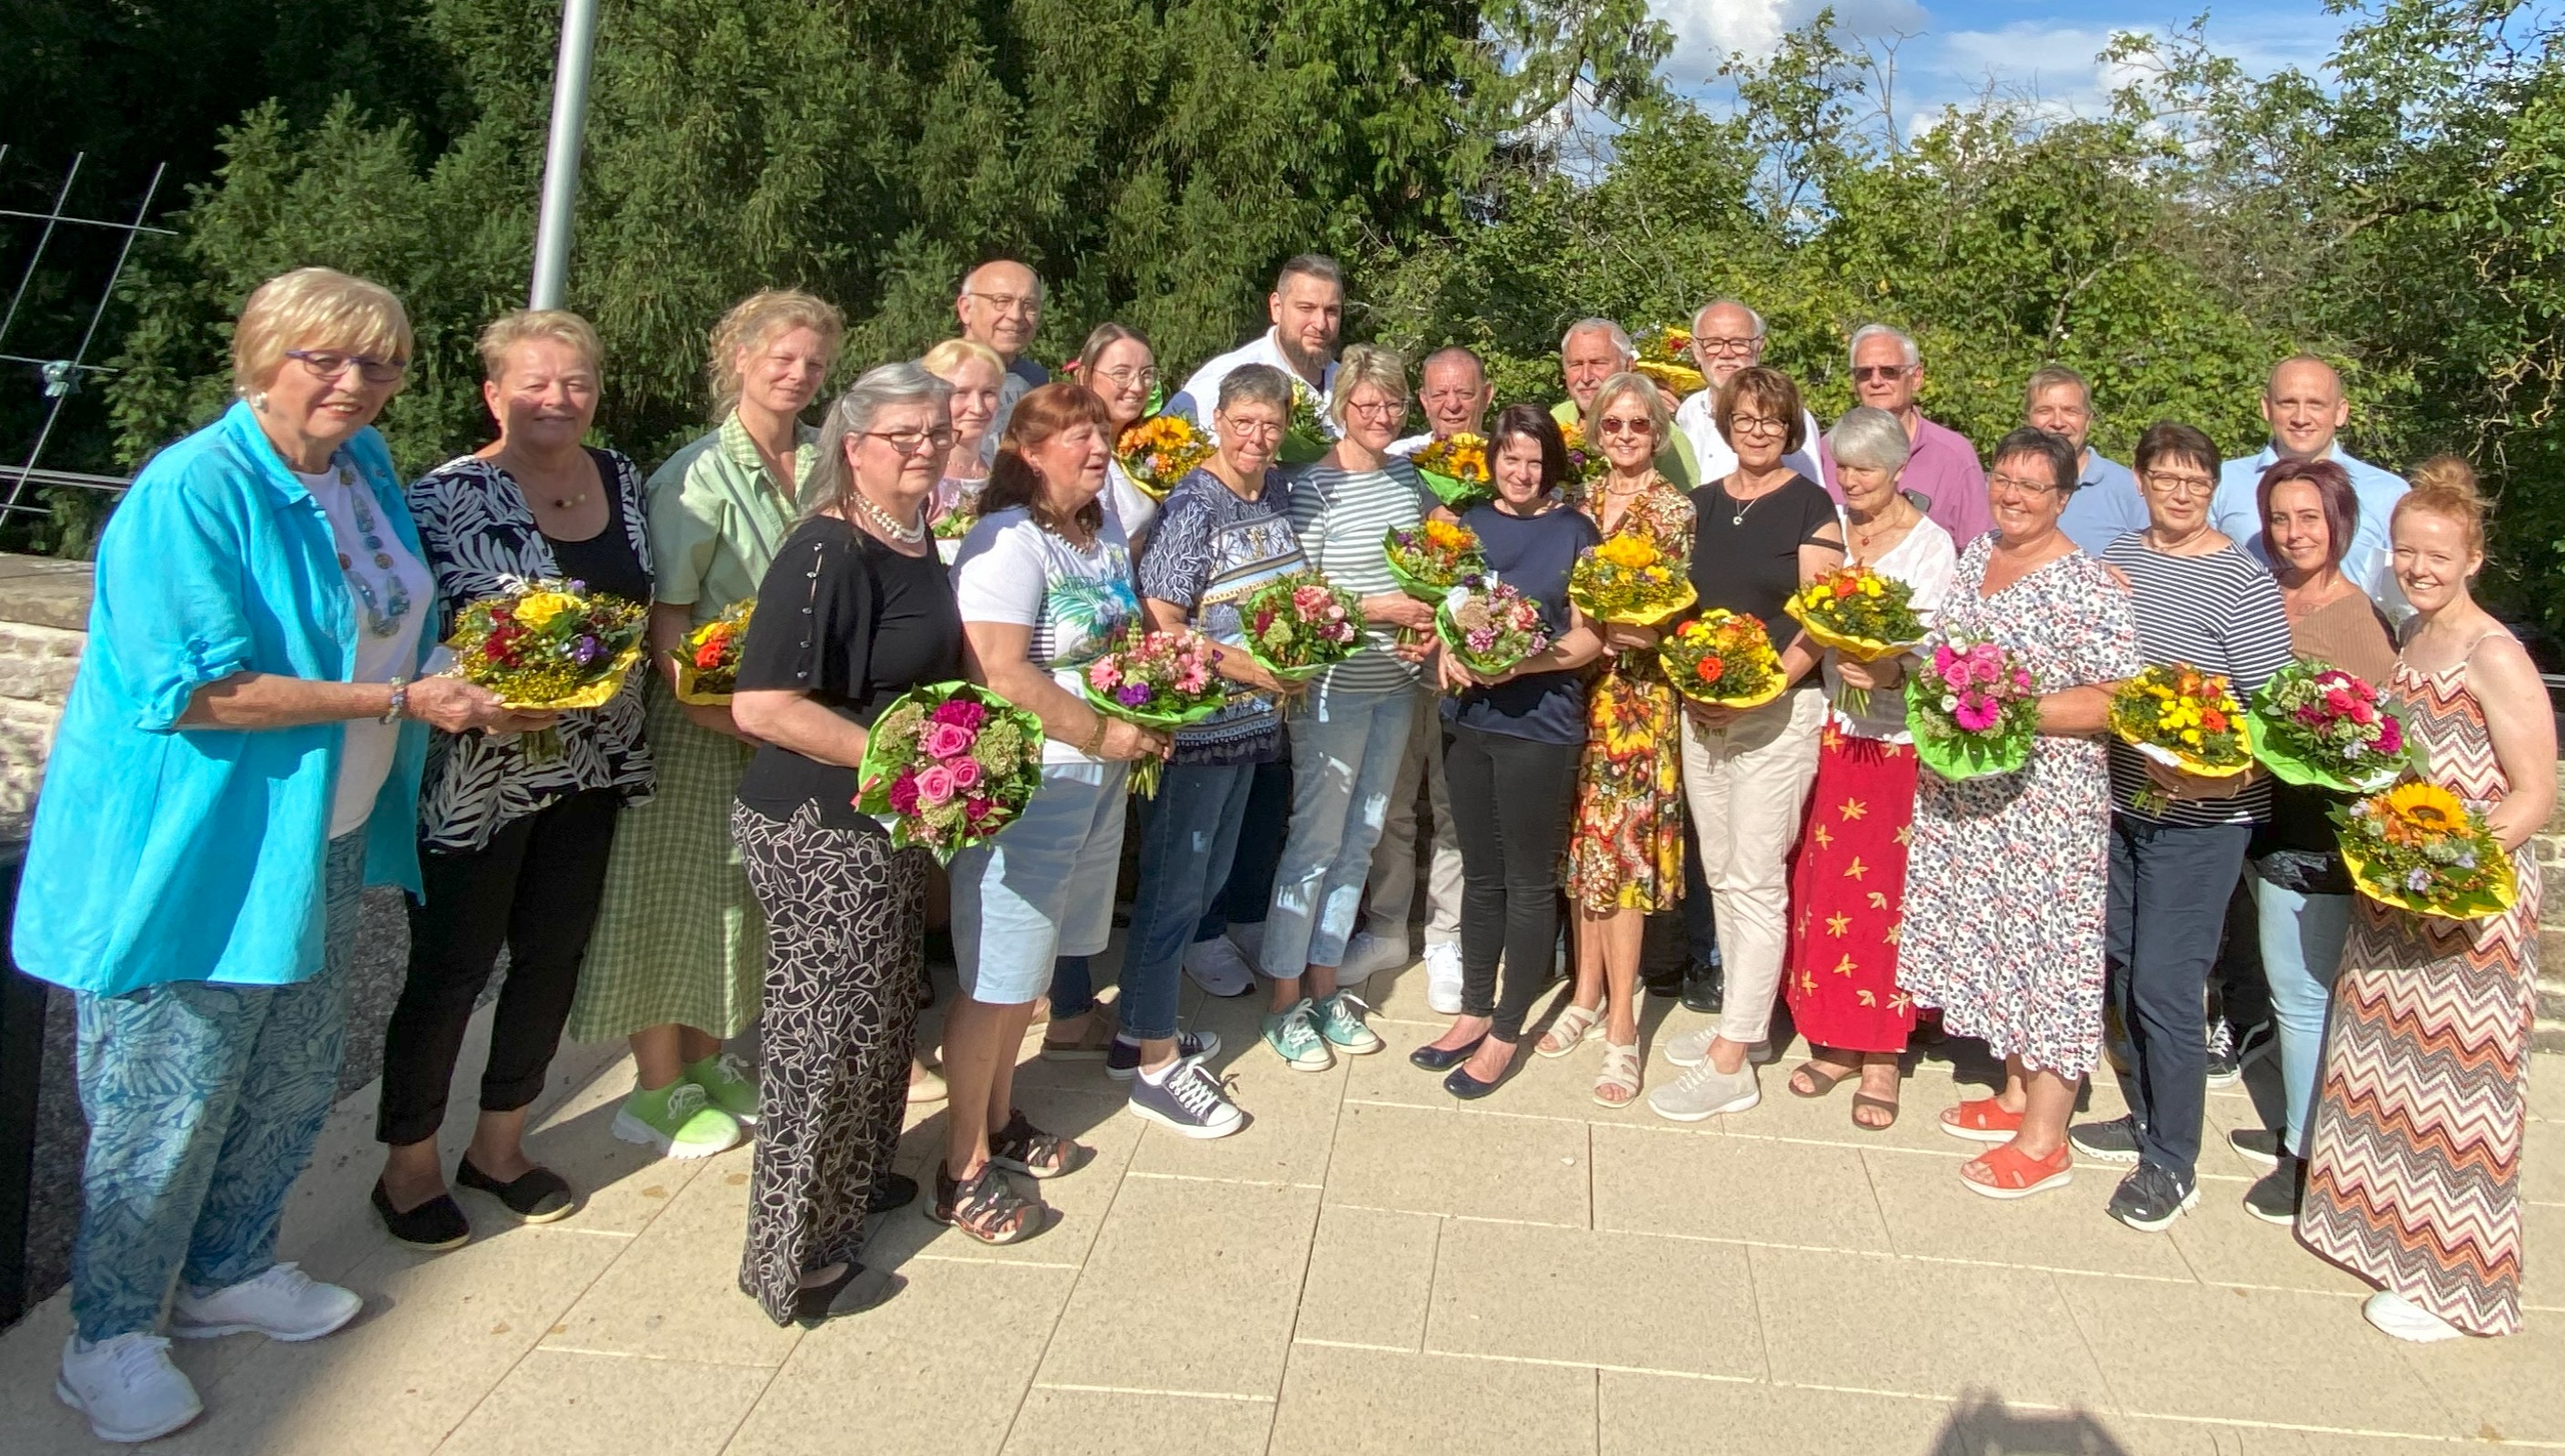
x: 1092, y: 1042
x: 1861, y: 1100
x: 1819, y: 1079
x: 2008, y: 1172
x: 987, y: 1208
x: 1021, y: 1147
x: 1620, y: 1073
x: 1572, y: 1029
x: 1981, y: 1120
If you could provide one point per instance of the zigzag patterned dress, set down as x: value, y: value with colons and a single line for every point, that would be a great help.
x: 2413, y: 1175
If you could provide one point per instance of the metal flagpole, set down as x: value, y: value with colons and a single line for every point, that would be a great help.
x: 560, y: 155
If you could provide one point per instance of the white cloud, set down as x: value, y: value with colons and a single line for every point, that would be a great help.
x: 1708, y: 30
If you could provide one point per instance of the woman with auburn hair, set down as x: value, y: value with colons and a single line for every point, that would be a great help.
x: 2414, y: 1169
x: 680, y: 948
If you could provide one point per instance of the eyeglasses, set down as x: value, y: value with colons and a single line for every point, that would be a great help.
x: 331, y: 366
x: 1127, y: 377
x: 910, y: 442
x: 1009, y: 302
x: 2002, y: 484
x: 1873, y: 373
x: 1254, y: 430
x: 2185, y: 485
x: 1613, y: 424
x: 1756, y: 424
x: 1376, y: 408
x: 1737, y: 346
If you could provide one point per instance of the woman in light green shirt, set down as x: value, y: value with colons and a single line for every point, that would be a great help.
x: 680, y: 948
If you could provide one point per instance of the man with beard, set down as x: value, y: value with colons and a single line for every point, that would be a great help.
x: 1307, y: 307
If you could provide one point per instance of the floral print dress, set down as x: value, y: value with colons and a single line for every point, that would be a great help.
x: 1627, y: 850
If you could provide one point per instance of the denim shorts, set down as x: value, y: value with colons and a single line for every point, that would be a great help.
x: 1044, y: 888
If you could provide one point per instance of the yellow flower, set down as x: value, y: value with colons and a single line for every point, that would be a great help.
x: 1870, y: 587
x: 540, y: 608
x: 2427, y: 807
x: 1628, y: 550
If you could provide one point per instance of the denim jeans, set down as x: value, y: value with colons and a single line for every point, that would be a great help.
x: 2168, y: 905
x: 1345, y: 751
x: 1242, y: 898
x: 1188, y: 834
x: 2302, y: 939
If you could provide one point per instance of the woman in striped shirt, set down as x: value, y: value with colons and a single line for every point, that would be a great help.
x: 2177, y: 839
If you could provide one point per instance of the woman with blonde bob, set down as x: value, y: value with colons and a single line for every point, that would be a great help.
x: 978, y: 377
x: 679, y: 946
x: 239, y: 758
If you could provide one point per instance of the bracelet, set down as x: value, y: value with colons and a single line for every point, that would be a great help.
x: 1096, y: 740
x: 399, y: 706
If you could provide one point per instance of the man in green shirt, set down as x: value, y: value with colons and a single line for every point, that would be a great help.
x: 1594, y: 350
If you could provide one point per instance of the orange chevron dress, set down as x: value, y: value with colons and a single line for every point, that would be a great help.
x: 2414, y: 1174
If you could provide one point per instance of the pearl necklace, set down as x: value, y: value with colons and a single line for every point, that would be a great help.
x: 905, y: 535
x: 383, y: 617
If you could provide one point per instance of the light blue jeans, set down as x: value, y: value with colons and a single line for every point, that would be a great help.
x: 2302, y: 939
x: 204, y: 1103
x: 1345, y: 751
x: 1044, y: 888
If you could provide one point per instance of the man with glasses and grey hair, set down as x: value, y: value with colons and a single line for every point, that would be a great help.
x: 2106, y: 505
x: 1943, y: 473
x: 1728, y: 336
x: 999, y: 304
x: 1594, y: 350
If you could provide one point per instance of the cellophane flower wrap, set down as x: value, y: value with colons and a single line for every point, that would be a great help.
x: 1305, y: 436
x: 947, y: 765
x: 1160, y: 452
x: 2183, y: 718
x: 1972, y: 708
x: 1157, y: 679
x: 1490, y: 626
x: 1298, y: 625
x: 1430, y: 557
x: 1456, y: 469
x: 2420, y: 848
x: 1861, y: 614
x: 2316, y: 725
x: 708, y: 665
x: 1665, y: 356
x: 1724, y: 659
x: 548, y: 645
x: 1627, y: 579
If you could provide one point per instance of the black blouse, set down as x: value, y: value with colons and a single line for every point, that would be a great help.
x: 853, y: 625
x: 1745, y: 554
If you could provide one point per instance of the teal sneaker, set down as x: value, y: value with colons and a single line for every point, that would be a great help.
x: 677, y: 1121
x: 1340, y: 1021
x: 726, y: 1086
x: 1293, y: 1036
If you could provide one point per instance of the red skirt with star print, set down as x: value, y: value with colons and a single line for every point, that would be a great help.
x: 1847, y: 898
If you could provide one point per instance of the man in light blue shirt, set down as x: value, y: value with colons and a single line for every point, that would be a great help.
x: 2304, y: 406
x: 2106, y: 505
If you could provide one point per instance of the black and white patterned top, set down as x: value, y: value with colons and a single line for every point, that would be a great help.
x: 480, y: 537
x: 2218, y: 612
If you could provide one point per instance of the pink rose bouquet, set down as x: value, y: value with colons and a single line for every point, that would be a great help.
x: 2325, y: 728
x: 947, y: 765
x: 1974, y: 709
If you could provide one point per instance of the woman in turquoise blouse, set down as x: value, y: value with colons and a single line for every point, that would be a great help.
x: 239, y: 757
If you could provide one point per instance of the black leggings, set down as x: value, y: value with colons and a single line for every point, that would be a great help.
x: 1511, y: 802
x: 533, y: 888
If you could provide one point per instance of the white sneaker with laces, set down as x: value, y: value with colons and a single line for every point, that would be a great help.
x: 2395, y: 1315
x: 1218, y: 968
x: 126, y: 1388
x: 1692, y: 1048
x: 1250, y: 941
x: 1443, y: 978
x: 282, y: 1303
x: 1367, y: 955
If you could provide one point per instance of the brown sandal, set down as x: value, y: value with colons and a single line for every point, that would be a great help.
x: 1819, y: 1079
x: 987, y: 1207
x: 1861, y: 1100
x: 1022, y: 1147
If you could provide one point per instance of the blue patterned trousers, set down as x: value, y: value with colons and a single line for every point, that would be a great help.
x: 204, y: 1103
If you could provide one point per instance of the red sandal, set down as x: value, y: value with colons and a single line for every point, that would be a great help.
x: 2011, y: 1173
x: 1981, y: 1120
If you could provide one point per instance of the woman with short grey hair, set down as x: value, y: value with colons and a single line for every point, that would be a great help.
x: 1869, y: 440
x: 856, y: 610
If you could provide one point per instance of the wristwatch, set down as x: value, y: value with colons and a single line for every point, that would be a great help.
x: 1096, y: 740
x: 400, y: 708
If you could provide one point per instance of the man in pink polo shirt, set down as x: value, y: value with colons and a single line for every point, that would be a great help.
x: 1942, y: 471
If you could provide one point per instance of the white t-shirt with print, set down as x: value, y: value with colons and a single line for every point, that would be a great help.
x: 1013, y: 571
x: 366, y: 753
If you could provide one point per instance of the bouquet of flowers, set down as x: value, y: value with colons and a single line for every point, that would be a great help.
x: 1430, y: 558
x: 1456, y: 468
x: 1161, y: 680
x: 1627, y: 579
x: 1297, y: 625
x: 1724, y: 659
x: 2317, y: 725
x: 1973, y: 709
x: 708, y: 668
x: 2185, y: 719
x: 1584, y: 464
x: 1161, y: 450
x: 548, y: 647
x: 1489, y: 627
x: 1665, y: 356
x: 947, y: 765
x: 2420, y: 848
x: 1306, y: 436
x: 1860, y: 613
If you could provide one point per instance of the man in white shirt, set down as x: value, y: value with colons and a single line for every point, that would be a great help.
x: 1453, y: 390
x: 1307, y: 307
x: 2304, y: 406
x: 1726, y: 337
x: 1594, y: 350
x: 999, y: 304
x: 2106, y: 504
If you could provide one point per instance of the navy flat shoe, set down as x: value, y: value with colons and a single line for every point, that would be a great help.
x: 1437, y: 1059
x: 1460, y: 1083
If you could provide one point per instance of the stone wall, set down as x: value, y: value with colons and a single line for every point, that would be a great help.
x: 44, y: 616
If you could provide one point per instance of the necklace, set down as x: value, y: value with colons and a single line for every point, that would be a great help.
x: 386, y: 601
x: 905, y: 535
x: 569, y: 502
x: 1082, y: 548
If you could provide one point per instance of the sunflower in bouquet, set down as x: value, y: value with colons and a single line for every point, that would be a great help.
x: 1298, y: 625
x: 2420, y: 848
x: 708, y: 665
x: 1431, y: 558
x: 1305, y: 436
x: 1489, y: 627
x: 1457, y: 469
x: 1157, y: 679
x: 1160, y: 452
x: 548, y: 647
x: 1627, y: 579
x: 1860, y: 613
x: 1724, y: 659
x: 947, y: 765
x: 1665, y: 357
x: 2320, y: 726
x: 1972, y: 708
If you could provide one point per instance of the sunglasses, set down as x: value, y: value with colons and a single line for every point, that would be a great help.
x: 1873, y: 373
x: 1613, y: 424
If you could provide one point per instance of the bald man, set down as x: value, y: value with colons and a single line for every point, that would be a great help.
x: 1726, y: 339
x: 999, y: 304
x: 1594, y: 350
x: 2304, y: 406
x: 1452, y: 388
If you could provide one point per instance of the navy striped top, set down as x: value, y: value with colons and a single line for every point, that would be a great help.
x: 2218, y: 612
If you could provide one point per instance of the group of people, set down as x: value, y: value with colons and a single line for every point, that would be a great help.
x: 260, y: 728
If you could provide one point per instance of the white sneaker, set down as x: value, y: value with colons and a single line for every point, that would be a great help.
x: 1250, y: 941
x: 126, y: 1388
x: 1443, y: 978
x: 1692, y: 1048
x: 1367, y: 955
x: 2400, y: 1317
x: 1218, y: 968
x: 282, y: 1303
